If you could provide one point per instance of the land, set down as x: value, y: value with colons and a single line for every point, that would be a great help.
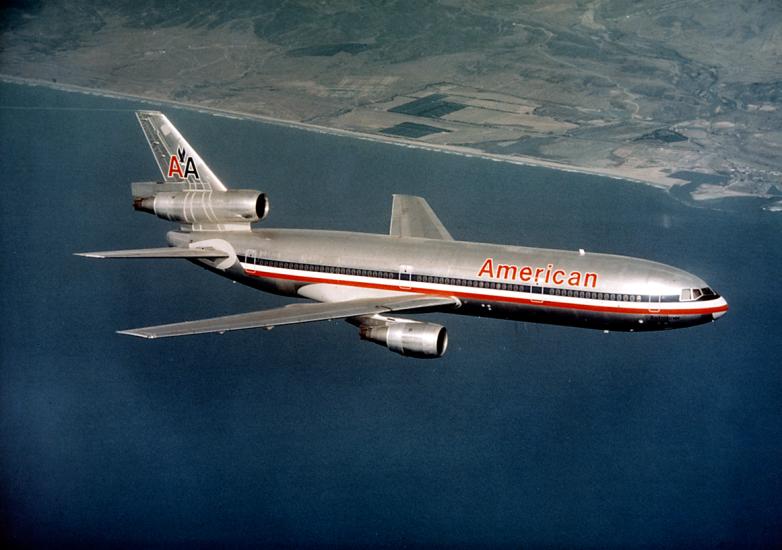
x: 670, y: 93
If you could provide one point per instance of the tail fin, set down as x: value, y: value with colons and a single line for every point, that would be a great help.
x: 190, y: 193
x: 178, y: 161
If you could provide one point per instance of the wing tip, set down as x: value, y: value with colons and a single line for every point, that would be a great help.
x: 137, y: 333
x: 89, y: 254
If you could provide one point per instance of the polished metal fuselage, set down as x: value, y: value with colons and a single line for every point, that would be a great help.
x: 625, y: 293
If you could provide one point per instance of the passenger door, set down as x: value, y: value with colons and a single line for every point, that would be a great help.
x: 537, y: 294
x: 250, y: 256
x: 405, y: 276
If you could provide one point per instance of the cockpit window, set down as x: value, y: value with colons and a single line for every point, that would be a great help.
x: 693, y: 294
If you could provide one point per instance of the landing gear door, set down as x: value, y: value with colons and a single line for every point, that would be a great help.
x: 405, y: 276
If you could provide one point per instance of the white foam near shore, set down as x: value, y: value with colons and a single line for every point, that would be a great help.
x: 707, y: 192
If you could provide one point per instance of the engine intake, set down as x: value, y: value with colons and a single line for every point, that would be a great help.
x: 206, y: 207
x: 413, y: 339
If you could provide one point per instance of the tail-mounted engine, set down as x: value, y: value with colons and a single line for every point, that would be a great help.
x: 201, y: 209
x: 411, y: 338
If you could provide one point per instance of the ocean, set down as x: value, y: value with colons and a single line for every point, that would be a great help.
x: 521, y: 435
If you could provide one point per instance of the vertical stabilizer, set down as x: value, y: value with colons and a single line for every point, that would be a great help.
x: 178, y: 161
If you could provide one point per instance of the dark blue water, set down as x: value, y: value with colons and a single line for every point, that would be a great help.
x: 521, y: 434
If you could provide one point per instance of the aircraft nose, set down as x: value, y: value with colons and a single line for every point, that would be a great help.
x: 722, y: 310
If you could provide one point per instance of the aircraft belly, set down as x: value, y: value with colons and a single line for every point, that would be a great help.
x: 598, y: 320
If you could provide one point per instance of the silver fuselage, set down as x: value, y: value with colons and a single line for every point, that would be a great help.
x: 590, y: 290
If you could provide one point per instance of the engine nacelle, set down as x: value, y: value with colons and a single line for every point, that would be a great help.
x: 414, y: 339
x: 206, y: 207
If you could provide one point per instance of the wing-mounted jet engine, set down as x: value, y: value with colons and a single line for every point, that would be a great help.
x: 405, y: 336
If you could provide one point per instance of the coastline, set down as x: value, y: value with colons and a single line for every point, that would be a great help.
x: 624, y: 174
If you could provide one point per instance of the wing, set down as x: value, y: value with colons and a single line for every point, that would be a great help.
x: 413, y: 217
x: 296, y: 313
x: 166, y: 252
x: 174, y: 154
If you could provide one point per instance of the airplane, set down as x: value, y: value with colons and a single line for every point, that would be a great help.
x: 368, y: 279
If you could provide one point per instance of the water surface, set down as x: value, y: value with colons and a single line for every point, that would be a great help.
x: 521, y: 434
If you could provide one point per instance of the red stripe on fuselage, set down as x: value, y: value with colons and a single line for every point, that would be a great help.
x: 489, y: 297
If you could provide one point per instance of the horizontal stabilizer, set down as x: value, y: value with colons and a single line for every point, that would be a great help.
x: 146, y: 189
x: 296, y: 313
x: 413, y: 217
x: 166, y: 252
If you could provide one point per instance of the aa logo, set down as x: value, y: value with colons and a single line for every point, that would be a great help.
x: 175, y: 165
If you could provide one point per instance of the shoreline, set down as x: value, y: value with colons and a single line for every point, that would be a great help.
x: 664, y: 183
